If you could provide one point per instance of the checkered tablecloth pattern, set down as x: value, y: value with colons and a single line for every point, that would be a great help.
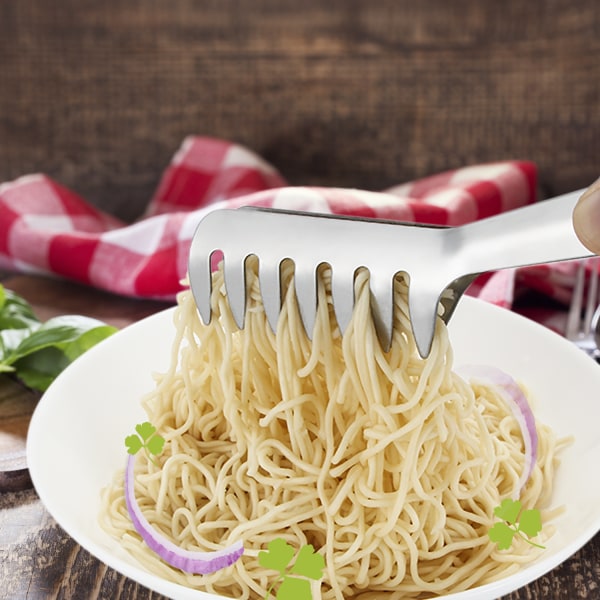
x: 49, y: 229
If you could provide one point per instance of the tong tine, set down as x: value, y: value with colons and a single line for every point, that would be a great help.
x: 199, y: 273
x: 305, y: 281
x: 234, y: 274
x: 342, y: 293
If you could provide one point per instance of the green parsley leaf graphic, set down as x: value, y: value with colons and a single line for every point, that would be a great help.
x: 277, y: 557
x: 530, y: 522
x: 526, y: 524
x: 293, y: 581
x: 147, y: 439
x: 294, y: 588
x: 134, y: 444
x: 309, y: 563
x: 145, y: 430
x: 502, y: 535
x: 508, y: 510
x: 155, y: 445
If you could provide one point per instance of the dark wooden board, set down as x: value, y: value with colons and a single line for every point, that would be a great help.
x: 345, y: 92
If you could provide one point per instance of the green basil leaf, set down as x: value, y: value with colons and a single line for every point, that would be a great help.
x: 86, y: 340
x: 10, y: 339
x: 16, y: 312
x: 40, y: 369
x: 37, y: 352
x: 46, y: 352
x: 71, y: 334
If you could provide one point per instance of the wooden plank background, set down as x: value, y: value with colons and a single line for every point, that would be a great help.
x: 99, y: 95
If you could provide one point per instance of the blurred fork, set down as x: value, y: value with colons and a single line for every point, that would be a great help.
x: 583, y: 323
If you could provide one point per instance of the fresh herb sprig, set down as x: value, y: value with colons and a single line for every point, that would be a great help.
x: 36, y: 352
x: 293, y: 581
x: 515, y: 521
x: 146, y: 438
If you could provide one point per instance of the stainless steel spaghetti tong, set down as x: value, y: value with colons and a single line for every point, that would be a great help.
x: 440, y: 261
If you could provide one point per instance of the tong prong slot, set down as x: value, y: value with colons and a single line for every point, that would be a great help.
x: 269, y: 278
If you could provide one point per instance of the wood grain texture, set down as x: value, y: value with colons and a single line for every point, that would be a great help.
x: 347, y: 92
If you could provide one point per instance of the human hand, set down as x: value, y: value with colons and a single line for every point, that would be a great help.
x: 586, y: 218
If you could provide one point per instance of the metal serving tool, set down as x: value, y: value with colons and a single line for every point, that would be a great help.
x: 440, y: 261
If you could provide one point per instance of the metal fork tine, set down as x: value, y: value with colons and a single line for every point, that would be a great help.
x: 574, y: 315
x: 305, y: 281
x: 269, y: 277
x: 342, y: 292
x: 201, y: 282
x: 423, y: 299
x: 234, y: 273
x: 592, y: 297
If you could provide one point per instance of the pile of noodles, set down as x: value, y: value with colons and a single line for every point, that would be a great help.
x: 390, y: 465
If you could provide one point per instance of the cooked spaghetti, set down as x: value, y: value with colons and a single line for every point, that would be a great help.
x: 390, y: 465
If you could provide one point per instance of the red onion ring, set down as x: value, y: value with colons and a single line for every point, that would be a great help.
x: 201, y: 563
x: 517, y: 402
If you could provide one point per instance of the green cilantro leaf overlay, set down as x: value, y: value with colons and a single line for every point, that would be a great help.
x: 293, y: 581
x: 146, y: 438
x: 515, y: 521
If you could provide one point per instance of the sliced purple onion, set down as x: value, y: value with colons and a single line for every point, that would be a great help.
x: 201, y: 563
x: 517, y: 402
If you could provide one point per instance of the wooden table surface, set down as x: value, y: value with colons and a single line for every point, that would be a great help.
x: 38, y: 560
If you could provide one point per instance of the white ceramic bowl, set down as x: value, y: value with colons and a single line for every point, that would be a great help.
x: 75, y: 440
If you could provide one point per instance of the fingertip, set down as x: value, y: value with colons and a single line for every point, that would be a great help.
x: 586, y: 218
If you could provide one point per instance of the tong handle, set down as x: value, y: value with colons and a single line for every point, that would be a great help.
x: 538, y: 233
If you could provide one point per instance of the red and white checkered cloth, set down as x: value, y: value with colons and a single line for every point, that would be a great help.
x: 46, y: 228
